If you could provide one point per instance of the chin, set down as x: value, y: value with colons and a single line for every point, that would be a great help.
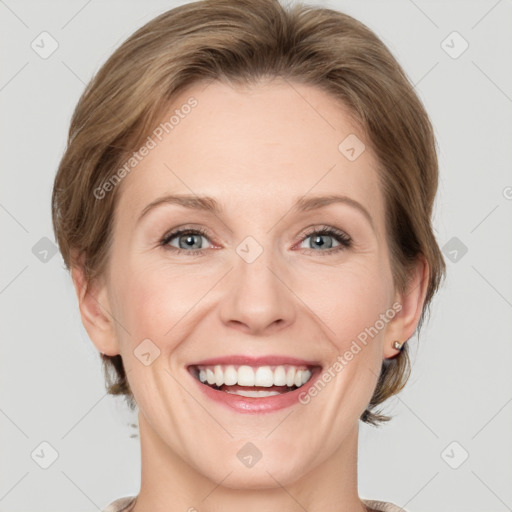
x: 270, y: 471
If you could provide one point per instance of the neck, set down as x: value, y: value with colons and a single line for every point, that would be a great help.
x: 168, y: 483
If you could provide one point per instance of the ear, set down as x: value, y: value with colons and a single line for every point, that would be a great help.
x: 95, y: 311
x: 404, y: 323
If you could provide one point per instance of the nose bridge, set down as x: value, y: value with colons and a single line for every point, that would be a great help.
x: 257, y: 296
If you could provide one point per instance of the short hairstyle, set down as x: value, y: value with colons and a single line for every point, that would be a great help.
x: 244, y: 42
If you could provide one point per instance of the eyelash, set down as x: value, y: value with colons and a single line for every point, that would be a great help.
x: 344, y: 240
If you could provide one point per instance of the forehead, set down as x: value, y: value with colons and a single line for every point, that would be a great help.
x: 254, y: 146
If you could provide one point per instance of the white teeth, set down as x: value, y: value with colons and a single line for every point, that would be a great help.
x: 245, y: 376
x: 252, y: 394
x: 210, y: 376
x: 264, y: 377
x: 261, y: 376
x: 219, y: 377
x: 290, y: 377
x: 280, y: 376
x: 230, y: 376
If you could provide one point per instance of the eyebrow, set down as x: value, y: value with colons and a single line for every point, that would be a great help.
x: 209, y: 204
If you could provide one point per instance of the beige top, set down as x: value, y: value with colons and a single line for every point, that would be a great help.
x: 126, y: 505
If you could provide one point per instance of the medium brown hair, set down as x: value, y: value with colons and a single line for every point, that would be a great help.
x: 242, y: 42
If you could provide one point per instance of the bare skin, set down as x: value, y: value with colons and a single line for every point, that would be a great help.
x: 256, y: 150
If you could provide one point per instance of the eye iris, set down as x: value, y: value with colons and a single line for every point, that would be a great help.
x: 189, y: 241
x: 322, y: 244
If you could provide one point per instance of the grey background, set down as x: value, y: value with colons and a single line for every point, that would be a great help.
x: 51, y: 383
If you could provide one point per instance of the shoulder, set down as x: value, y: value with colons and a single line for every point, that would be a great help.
x: 382, y: 506
x: 121, y: 505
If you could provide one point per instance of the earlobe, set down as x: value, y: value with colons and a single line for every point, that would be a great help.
x: 95, y: 312
x: 404, y: 324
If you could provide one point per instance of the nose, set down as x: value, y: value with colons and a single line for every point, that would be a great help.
x: 258, y: 298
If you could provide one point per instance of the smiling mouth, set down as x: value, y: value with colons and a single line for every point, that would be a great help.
x: 253, y: 381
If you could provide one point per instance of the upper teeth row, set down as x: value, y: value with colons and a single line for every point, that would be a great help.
x: 248, y: 376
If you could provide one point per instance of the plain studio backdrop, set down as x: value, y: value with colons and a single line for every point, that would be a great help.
x: 66, y: 445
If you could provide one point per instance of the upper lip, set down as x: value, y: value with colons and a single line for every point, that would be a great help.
x: 275, y: 360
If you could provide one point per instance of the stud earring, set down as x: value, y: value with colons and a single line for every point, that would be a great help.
x: 398, y: 345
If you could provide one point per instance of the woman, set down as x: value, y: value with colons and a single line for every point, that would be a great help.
x: 244, y: 205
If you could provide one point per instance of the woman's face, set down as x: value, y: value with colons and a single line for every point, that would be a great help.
x: 274, y: 272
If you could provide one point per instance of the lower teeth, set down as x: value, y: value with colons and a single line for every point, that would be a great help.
x: 253, y: 394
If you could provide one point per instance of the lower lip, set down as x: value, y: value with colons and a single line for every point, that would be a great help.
x: 253, y: 405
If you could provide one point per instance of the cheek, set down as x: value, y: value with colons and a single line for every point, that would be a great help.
x: 351, y: 305
x: 156, y: 301
x: 347, y: 300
